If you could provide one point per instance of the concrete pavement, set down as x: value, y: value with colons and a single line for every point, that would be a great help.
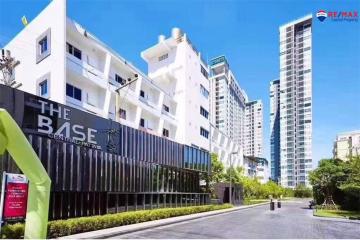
x: 293, y: 220
x: 105, y: 233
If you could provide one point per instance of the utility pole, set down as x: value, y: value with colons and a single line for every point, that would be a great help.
x: 117, y: 101
x: 7, y: 66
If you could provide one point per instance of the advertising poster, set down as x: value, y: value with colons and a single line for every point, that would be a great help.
x: 15, y: 199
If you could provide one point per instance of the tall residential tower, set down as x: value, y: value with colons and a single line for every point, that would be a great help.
x: 254, y: 129
x: 296, y: 101
x: 227, y: 101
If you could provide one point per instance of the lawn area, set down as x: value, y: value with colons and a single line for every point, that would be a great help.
x: 336, y: 213
x: 254, y: 201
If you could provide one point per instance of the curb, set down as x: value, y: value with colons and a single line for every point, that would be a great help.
x: 335, y: 219
x: 110, y: 232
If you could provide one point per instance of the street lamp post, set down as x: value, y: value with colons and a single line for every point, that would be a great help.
x: 231, y: 166
x: 230, y: 178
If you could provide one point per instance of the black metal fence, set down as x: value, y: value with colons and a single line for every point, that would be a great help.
x: 144, y: 171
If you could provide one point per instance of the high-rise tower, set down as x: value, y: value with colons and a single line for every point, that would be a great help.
x: 296, y: 101
x: 254, y: 129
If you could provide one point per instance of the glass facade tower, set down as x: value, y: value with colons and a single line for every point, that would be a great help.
x: 275, y: 129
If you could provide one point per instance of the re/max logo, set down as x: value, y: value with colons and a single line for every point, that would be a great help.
x: 338, y: 15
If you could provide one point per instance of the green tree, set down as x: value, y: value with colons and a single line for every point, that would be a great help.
x: 216, y: 175
x: 217, y: 169
x: 237, y: 174
x: 351, y: 187
x: 327, y: 177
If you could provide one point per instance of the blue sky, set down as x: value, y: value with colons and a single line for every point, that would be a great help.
x: 245, y: 31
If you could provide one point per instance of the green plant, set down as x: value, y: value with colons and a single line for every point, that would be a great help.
x: 337, y: 179
x: 302, y: 192
x: 13, y: 231
x: 66, y: 227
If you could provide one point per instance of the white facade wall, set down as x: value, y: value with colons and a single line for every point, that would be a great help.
x: 229, y: 153
x: 92, y: 71
x: 24, y: 47
x: 296, y: 101
x: 175, y: 65
x: 347, y: 145
x: 263, y: 171
x: 254, y: 129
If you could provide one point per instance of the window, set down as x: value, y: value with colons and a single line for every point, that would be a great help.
x: 142, y: 122
x: 204, y: 91
x: 163, y: 57
x: 142, y: 93
x: 204, y: 132
x: 122, y: 113
x: 204, y: 72
x: 43, y: 88
x: 73, y: 92
x: 73, y: 50
x: 43, y: 46
x: 166, y: 108
x: 204, y: 112
x: 165, y: 132
x: 119, y: 79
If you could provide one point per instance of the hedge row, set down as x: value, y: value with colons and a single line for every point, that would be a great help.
x: 71, y: 226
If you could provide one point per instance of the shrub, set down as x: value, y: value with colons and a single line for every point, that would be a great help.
x: 13, y: 231
x: 71, y: 226
x: 302, y: 192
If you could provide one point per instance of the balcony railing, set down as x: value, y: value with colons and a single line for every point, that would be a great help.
x: 87, y: 71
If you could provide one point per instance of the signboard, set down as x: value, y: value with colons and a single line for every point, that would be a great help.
x: 14, y: 196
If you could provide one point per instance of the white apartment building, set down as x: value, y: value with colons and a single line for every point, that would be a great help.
x: 63, y: 62
x: 254, y: 129
x: 347, y: 145
x: 275, y: 129
x: 296, y: 101
x: 176, y: 65
x: 262, y: 170
x: 227, y: 101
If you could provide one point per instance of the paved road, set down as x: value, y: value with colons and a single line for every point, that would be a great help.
x: 293, y: 220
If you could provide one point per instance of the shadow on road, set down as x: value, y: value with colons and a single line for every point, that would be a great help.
x: 307, y: 208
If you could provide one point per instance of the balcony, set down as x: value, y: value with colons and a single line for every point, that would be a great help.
x: 83, y: 106
x: 87, y: 71
x: 148, y: 102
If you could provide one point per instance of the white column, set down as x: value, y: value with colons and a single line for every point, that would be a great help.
x: 161, y: 100
x: 106, y: 105
x: 161, y: 126
x: 107, y: 66
x: 138, y: 116
x: 138, y: 85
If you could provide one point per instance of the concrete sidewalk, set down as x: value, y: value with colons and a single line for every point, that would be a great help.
x: 109, y: 232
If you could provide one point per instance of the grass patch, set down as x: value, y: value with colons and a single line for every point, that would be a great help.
x: 254, y: 201
x: 337, y: 213
x: 72, y: 226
